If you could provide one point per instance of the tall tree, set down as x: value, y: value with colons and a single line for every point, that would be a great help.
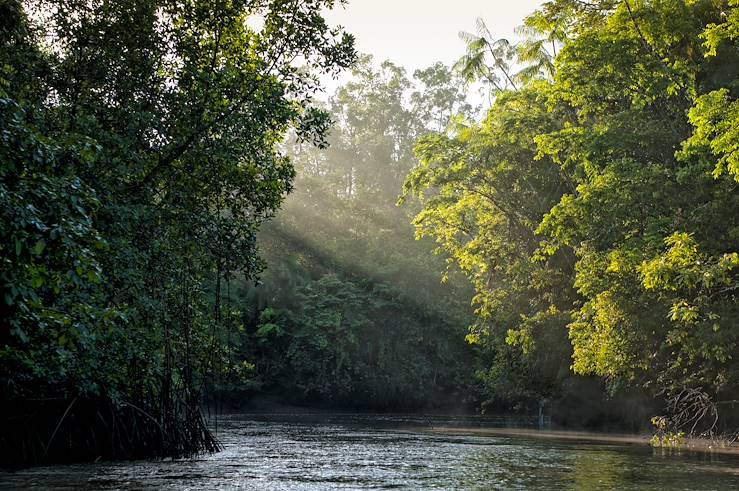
x: 484, y: 193
x: 646, y: 218
x: 163, y: 119
x: 636, y: 135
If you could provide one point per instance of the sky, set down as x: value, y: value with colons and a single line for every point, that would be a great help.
x: 417, y: 33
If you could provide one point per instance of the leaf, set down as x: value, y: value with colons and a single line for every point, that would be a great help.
x: 39, y: 247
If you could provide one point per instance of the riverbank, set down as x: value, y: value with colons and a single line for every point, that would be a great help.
x: 361, y: 451
x: 690, y: 445
x: 276, y: 405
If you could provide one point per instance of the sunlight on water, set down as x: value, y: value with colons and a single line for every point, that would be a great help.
x: 374, y: 452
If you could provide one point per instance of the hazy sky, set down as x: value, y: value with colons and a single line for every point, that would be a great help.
x: 417, y: 33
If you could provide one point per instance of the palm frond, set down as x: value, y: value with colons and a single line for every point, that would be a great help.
x: 527, y: 32
x: 482, y: 28
x: 468, y: 37
x: 529, y: 73
x: 531, y: 50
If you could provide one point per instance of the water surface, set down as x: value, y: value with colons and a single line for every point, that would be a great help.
x: 318, y: 452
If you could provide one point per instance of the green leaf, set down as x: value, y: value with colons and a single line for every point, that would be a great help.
x: 39, y: 247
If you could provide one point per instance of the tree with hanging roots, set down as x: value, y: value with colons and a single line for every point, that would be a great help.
x: 139, y: 159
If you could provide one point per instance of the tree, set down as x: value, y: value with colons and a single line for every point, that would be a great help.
x: 646, y: 219
x: 162, y: 121
x: 484, y: 193
x: 616, y: 181
x: 487, y: 59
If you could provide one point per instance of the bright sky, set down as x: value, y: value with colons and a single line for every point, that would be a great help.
x: 418, y: 33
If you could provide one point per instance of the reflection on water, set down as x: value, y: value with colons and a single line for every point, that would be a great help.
x: 371, y: 452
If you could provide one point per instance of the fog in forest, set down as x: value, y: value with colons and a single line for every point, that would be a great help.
x: 212, y: 209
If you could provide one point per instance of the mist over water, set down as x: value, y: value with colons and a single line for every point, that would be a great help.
x: 317, y: 452
x: 187, y: 225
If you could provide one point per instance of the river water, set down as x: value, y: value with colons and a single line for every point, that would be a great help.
x: 319, y: 452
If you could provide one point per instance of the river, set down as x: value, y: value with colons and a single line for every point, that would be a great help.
x: 319, y: 452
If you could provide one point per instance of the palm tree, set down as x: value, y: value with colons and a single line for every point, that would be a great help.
x: 542, y: 36
x: 487, y: 59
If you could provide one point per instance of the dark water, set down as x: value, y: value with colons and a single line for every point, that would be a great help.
x: 369, y: 452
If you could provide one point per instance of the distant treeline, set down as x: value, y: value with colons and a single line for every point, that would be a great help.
x: 350, y: 311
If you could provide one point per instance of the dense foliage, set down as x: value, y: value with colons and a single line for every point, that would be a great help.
x: 139, y: 158
x: 591, y: 217
x: 350, y: 310
x: 599, y: 198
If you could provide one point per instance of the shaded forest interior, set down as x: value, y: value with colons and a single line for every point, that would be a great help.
x: 185, y: 225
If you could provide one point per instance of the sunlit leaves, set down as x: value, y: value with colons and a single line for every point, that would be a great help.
x: 484, y: 192
x: 718, y: 33
x: 645, y: 148
x: 654, y: 234
x: 598, y: 337
x: 715, y: 117
x: 685, y: 270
